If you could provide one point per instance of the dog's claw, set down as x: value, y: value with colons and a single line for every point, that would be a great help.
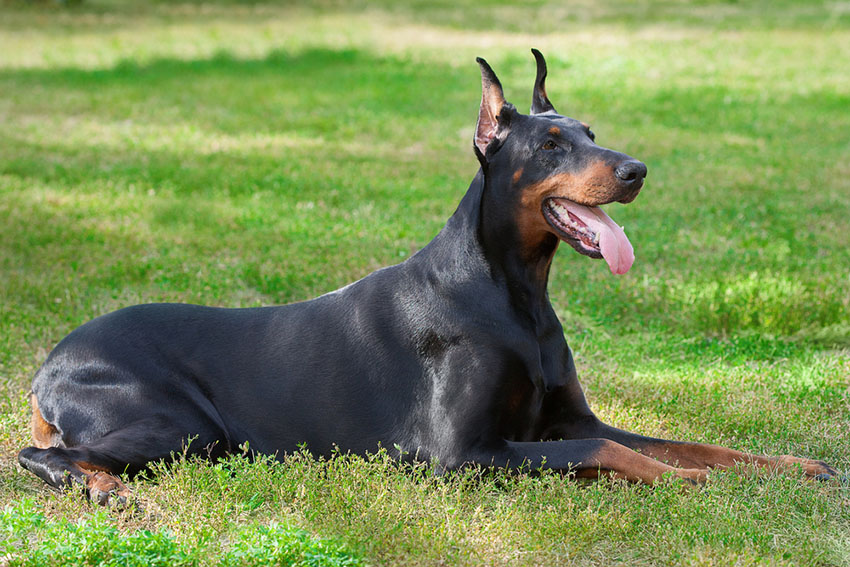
x: 109, y: 498
x: 99, y: 497
x: 842, y: 479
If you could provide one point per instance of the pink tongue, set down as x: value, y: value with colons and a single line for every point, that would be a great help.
x: 613, y: 243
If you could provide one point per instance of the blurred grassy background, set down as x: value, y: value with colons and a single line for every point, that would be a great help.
x: 240, y: 154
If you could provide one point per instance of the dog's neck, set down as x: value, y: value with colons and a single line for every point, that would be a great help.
x: 524, y: 268
x: 484, y: 232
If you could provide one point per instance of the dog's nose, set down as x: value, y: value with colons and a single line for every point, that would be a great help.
x: 631, y: 172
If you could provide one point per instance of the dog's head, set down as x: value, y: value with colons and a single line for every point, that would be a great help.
x: 552, y: 173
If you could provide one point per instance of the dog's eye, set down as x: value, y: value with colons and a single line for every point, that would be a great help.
x: 549, y: 145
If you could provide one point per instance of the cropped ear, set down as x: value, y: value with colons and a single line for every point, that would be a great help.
x: 492, y: 102
x: 539, y: 101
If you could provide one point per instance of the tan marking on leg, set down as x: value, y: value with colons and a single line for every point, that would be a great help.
x: 621, y: 462
x: 44, y: 434
x: 86, y: 466
x: 696, y: 455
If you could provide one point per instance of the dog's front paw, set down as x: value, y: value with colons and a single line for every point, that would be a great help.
x: 814, y: 469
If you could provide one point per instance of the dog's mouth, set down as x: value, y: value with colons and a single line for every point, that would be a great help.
x: 590, y: 231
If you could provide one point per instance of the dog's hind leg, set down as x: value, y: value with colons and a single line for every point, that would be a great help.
x: 96, y: 464
x: 60, y: 467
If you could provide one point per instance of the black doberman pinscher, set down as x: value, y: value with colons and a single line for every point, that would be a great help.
x: 454, y: 355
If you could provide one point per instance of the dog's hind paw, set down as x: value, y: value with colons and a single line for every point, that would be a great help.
x: 106, y: 490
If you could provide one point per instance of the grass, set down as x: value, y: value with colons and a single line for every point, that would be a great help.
x: 243, y: 154
x: 36, y: 541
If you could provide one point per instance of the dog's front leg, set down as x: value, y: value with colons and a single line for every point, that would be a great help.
x: 588, y: 458
x: 704, y: 455
x: 565, y: 418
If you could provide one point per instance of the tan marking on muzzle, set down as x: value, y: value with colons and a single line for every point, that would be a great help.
x: 594, y: 186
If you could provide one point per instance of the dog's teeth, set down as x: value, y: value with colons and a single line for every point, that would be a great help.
x: 580, y: 229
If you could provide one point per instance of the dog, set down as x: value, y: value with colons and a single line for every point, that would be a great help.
x: 454, y: 356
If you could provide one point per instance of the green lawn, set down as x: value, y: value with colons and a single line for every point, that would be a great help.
x: 241, y: 154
